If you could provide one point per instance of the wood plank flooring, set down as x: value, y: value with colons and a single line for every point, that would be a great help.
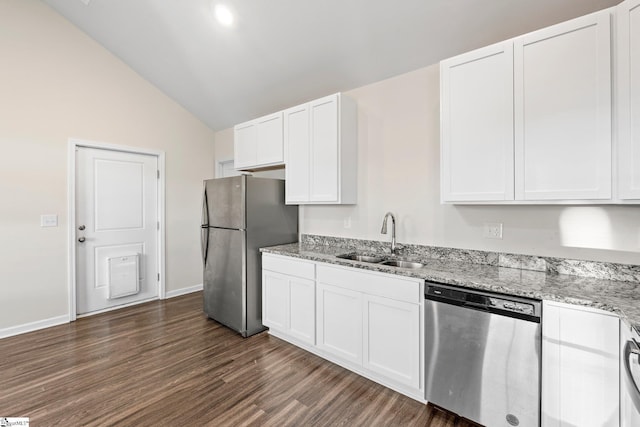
x: 164, y: 363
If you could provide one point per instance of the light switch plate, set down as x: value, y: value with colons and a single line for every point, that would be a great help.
x: 49, y: 220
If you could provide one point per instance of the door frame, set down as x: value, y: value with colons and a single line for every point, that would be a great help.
x: 71, y: 214
x: 219, y: 165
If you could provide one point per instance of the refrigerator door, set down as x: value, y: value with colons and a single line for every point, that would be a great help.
x: 269, y: 222
x: 226, y: 202
x: 225, y: 278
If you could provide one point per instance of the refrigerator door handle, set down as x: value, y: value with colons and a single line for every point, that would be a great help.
x: 204, y: 228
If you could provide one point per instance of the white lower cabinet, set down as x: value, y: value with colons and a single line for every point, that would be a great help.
x: 381, y: 334
x: 339, y: 322
x: 288, y: 297
x: 392, y: 339
x: 368, y: 322
x: 580, y: 366
x: 275, y: 301
x: 302, y: 309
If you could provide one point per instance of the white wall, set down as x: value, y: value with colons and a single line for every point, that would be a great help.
x: 56, y: 83
x: 398, y: 171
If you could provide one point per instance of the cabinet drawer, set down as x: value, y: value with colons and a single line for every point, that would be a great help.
x: 290, y: 266
x: 372, y: 283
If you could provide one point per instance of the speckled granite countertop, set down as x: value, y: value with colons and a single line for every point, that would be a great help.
x: 619, y: 297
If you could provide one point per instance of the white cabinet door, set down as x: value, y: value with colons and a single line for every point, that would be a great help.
x: 580, y: 367
x: 270, y: 146
x: 302, y: 309
x: 259, y: 143
x: 288, y: 305
x: 628, y: 66
x: 321, y: 160
x: 244, y: 145
x: 562, y: 96
x: 392, y: 339
x: 339, y: 322
x: 324, y: 178
x: 275, y: 300
x: 477, y: 125
x: 296, y: 139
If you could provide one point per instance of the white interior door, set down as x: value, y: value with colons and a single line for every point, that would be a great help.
x: 116, y: 228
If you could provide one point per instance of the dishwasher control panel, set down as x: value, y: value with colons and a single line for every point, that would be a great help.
x: 487, y: 301
x: 517, y: 307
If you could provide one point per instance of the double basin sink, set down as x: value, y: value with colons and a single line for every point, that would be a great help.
x: 391, y: 262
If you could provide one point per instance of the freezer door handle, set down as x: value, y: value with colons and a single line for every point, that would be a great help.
x: 204, y: 228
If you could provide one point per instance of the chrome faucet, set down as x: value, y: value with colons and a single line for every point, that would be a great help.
x: 393, y: 230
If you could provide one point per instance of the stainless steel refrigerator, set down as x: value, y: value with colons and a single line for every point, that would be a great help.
x: 241, y: 214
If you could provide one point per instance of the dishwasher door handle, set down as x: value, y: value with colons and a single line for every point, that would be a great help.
x: 476, y: 305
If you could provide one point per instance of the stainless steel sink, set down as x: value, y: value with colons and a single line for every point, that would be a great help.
x: 373, y: 259
x: 402, y: 264
x: 362, y: 258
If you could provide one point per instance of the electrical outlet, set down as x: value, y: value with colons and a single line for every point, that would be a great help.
x: 493, y: 230
x: 347, y: 222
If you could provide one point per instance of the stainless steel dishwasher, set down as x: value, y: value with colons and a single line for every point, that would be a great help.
x: 482, y: 355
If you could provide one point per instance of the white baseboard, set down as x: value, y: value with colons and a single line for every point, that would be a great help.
x: 59, y: 320
x: 183, y: 291
x: 33, y: 326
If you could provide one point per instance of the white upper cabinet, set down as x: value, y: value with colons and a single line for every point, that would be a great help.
x: 529, y: 120
x: 477, y: 125
x: 296, y: 133
x: 259, y: 143
x: 628, y: 85
x: 244, y: 145
x: 321, y: 141
x: 562, y: 78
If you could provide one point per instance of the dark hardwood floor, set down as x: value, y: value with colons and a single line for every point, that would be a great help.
x: 164, y: 363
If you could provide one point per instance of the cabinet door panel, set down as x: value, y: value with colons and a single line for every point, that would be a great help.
x: 579, y: 367
x: 244, y: 145
x: 477, y: 125
x: 563, y: 111
x: 628, y: 24
x: 275, y: 300
x: 296, y: 137
x: 302, y: 297
x: 269, y: 148
x: 339, y: 322
x: 324, y: 177
x: 392, y: 339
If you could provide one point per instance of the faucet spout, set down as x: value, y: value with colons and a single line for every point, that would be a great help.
x: 393, y: 230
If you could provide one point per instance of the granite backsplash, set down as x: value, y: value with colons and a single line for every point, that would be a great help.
x: 550, y: 265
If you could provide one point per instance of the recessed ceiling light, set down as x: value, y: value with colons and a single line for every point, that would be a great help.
x: 223, y: 14
x: 85, y: 2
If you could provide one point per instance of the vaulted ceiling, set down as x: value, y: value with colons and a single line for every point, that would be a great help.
x: 279, y: 53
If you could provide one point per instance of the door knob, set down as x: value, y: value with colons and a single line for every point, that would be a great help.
x: 81, y: 239
x: 82, y: 227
